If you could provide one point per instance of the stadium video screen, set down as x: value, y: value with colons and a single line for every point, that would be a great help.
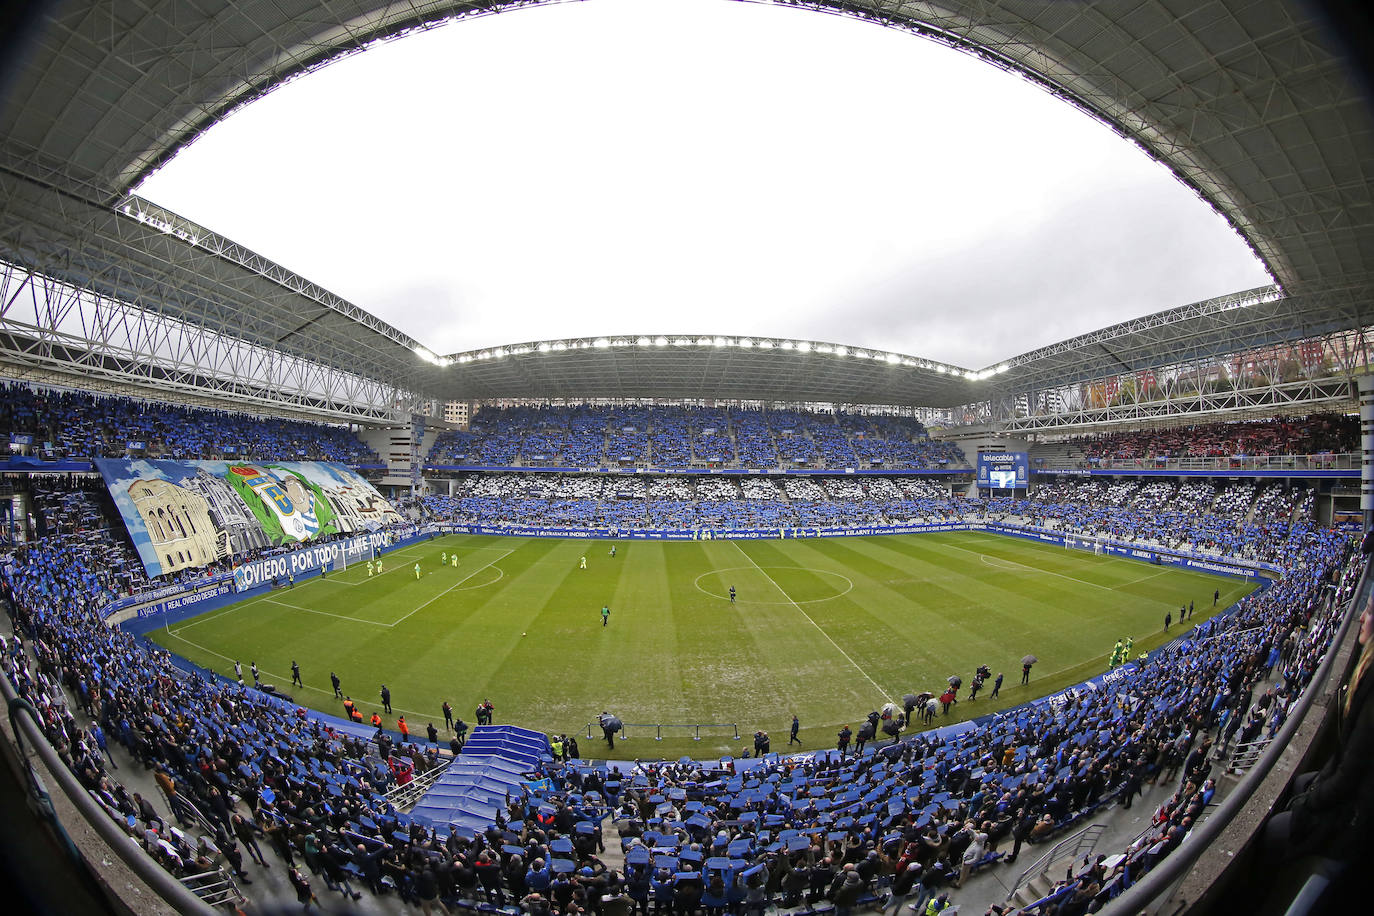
x: 1002, y: 480
x: 1003, y: 471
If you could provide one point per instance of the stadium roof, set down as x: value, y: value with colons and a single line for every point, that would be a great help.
x: 1247, y: 102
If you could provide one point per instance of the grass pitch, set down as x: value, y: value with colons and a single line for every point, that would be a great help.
x: 828, y: 628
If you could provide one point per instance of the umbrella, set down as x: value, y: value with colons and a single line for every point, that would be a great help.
x: 909, y: 701
x: 612, y: 722
x: 955, y: 680
x: 1029, y: 660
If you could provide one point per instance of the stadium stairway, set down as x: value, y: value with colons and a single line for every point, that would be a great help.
x: 494, y: 762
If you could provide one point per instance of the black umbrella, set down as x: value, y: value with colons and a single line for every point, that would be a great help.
x: 612, y: 722
x: 1029, y: 660
x: 909, y: 701
x: 955, y: 680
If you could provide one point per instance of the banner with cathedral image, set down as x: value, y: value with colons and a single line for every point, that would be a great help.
x: 189, y: 514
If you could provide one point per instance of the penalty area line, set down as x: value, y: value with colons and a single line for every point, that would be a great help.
x: 307, y: 610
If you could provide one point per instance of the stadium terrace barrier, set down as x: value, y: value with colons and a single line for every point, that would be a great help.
x: 698, y: 472
x: 1346, y: 474
x: 594, y: 729
x: 32, y: 739
x: 702, y: 534
x: 28, y: 464
x: 1306, y: 464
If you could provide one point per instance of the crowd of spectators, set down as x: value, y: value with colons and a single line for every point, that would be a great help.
x: 685, y: 501
x: 1240, y: 519
x: 911, y: 816
x: 688, y: 437
x: 1310, y: 435
x: 1256, y: 522
x: 79, y: 424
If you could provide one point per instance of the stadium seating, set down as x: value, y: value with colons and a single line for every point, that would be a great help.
x: 1055, y: 762
x: 1310, y: 435
x: 78, y: 424
x: 687, y: 437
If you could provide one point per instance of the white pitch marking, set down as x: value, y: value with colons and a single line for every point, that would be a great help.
x: 809, y: 618
x: 453, y: 586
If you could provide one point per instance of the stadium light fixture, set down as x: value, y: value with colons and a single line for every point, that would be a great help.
x: 602, y: 343
x: 893, y: 359
x: 660, y: 341
x: 425, y: 354
x: 721, y: 342
x: 803, y: 347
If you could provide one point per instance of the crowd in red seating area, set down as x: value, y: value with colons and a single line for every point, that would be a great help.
x: 1308, y: 435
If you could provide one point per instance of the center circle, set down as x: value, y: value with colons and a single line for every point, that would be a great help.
x: 500, y: 574
x: 774, y: 586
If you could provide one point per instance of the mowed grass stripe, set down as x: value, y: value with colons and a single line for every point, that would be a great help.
x: 676, y: 651
x: 882, y: 694
x: 788, y: 653
x: 941, y: 620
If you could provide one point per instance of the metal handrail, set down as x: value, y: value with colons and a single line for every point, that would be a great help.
x: 1244, y: 756
x: 1084, y: 840
x: 218, y: 886
x: 403, y: 796
x: 1173, y: 867
x: 658, y: 727
x: 26, y: 724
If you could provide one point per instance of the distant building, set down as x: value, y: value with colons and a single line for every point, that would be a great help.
x: 458, y: 413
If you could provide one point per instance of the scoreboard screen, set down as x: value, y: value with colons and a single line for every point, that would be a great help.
x: 1003, y: 470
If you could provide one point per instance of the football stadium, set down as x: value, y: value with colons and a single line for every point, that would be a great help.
x: 303, y: 613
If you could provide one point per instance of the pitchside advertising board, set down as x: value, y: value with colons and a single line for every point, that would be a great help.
x: 1003, y: 470
x: 287, y: 566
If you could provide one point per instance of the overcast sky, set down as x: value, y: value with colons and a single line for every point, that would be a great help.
x: 671, y: 166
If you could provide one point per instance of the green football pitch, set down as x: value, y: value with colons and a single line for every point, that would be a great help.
x: 828, y: 628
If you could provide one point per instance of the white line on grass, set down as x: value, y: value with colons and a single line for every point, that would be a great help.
x: 1046, y: 572
x: 453, y: 586
x: 279, y: 676
x: 882, y: 693
x: 407, y: 553
x: 1143, y: 578
x: 206, y: 618
x: 309, y: 610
